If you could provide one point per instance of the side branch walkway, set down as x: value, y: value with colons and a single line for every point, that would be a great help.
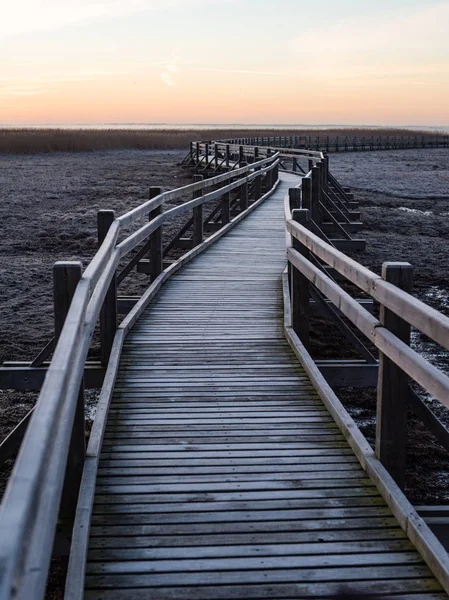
x: 222, y: 474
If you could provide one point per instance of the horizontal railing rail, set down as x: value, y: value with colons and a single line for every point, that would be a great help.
x: 36, y: 488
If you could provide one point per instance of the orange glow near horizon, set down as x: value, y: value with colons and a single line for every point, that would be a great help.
x: 249, y: 102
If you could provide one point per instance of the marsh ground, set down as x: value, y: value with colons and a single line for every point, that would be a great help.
x: 48, y: 205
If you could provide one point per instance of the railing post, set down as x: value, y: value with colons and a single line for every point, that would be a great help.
x: 326, y: 172
x: 300, y: 285
x: 108, y: 314
x: 241, y: 155
x: 244, y: 196
x: 392, y: 389
x: 198, y: 231
x: 226, y: 208
x: 306, y: 193
x: 275, y: 172
x: 316, y: 194
x: 295, y: 198
x: 155, y: 253
x: 198, y: 152
x: 216, y: 156
x: 258, y: 186
x: 66, y: 276
x: 228, y: 155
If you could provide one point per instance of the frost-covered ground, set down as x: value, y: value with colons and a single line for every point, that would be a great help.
x: 402, y: 173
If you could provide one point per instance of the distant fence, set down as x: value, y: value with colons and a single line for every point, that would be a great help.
x: 347, y: 143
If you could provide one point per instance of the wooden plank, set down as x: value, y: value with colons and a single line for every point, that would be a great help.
x: 236, y: 540
x: 282, y: 591
x: 319, y: 574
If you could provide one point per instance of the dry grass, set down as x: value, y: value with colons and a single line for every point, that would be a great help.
x: 33, y: 141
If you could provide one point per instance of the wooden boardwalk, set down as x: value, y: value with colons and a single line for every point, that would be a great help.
x: 222, y: 475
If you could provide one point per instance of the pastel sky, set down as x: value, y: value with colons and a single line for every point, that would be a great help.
x: 225, y: 61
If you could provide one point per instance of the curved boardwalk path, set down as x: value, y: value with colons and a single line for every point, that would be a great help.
x: 222, y: 474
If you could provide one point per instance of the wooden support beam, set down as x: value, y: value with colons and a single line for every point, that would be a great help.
x: 348, y: 373
x: 155, y: 253
x: 226, y: 208
x: 437, y: 518
x: 295, y: 198
x: 345, y: 245
x: 300, y: 293
x: 258, y: 187
x: 422, y: 411
x: 393, y: 386
x: 198, y: 217
x: 354, y: 227
x: 244, y: 196
x: 316, y: 194
x: 316, y: 308
x: 216, y: 157
x: 306, y: 194
x: 19, y: 375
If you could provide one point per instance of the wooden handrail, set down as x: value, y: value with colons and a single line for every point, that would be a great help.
x: 428, y: 376
x: 425, y: 318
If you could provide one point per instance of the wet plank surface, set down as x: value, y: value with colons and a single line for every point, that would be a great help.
x: 222, y: 475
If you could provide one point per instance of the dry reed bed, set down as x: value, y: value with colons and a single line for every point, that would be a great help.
x: 34, y: 141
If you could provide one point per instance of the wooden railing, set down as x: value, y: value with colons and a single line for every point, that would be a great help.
x: 47, y: 473
x: 313, y: 265
x: 346, y: 143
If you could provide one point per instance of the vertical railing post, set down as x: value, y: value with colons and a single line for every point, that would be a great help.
x: 226, y: 208
x: 244, y: 196
x: 300, y: 285
x: 258, y: 186
x: 306, y: 194
x: 66, y: 276
x: 228, y: 156
x: 198, y: 151
x: 326, y: 172
x: 393, y: 389
x: 198, y: 220
x: 316, y: 194
x: 295, y: 198
x: 310, y: 164
x: 216, y: 156
x: 241, y: 155
x: 108, y: 314
x: 155, y: 253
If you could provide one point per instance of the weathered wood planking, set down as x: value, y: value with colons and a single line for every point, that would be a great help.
x: 221, y: 473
